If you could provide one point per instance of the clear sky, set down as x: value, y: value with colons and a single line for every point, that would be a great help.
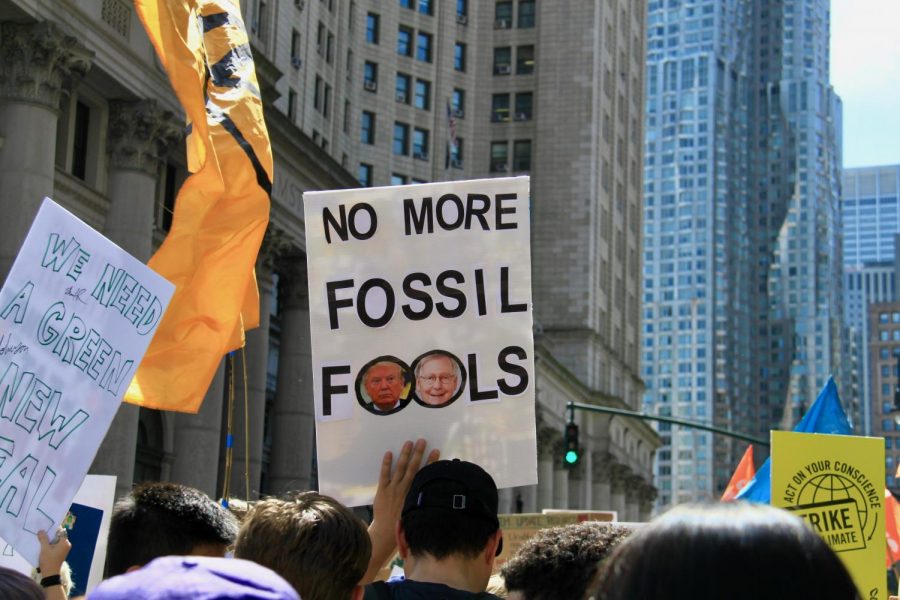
x: 865, y: 73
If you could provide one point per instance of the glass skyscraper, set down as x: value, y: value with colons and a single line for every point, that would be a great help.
x: 742, y: 320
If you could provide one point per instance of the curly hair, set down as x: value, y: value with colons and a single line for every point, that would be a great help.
x: 561, y: 562
x: 162, y: 519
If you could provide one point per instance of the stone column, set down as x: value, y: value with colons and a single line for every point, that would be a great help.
x: 560, y: 477
x: 506, y: 501
x: 257, y: 355
x: 576, y: 487
x: 633, y: 488
x: 601, y: 489
x: 546, y: 446
x: 140, y: 133
x: 294, y: 422
x: 198, y: 440
x: 39, y: 64
x: 620, y: 474
x: 647, y: 497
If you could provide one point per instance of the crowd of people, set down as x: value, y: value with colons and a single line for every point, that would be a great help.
x: 169, y: 541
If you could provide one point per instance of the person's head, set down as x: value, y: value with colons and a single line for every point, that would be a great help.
x: 731, y: 550
x: 192, y: 577
x: 16, y: 585
x: 160, y: 519
x: 317, y: 544
x: 384, y: 382
x: 437, y: 378
x: 560, y: 562
x: 450, y: 511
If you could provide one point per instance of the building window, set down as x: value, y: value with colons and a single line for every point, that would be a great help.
x: 500, y: 108
x: 524, y: 60
x: 458, y: 103
x: 365, y: 175
x: 292, y: 105
x: 405, y: 41
x: 80, y: 136
x: 423, y: 94
x: 524, y: 102
x: 372, y: 28
x: 367, y: 127
x: 401, y: 139
x: 329, y: 49
x: 406, y: 4
x: 502, y: 60
x: 346, y: 125
x: 397, y: 179
x: 462, y: 10
x: 370, y: 76
x: 426, y: 7
x: 522, y: 155
x: 459, y: 56
x: 456, y: 154
x: 402, y: 88
x: 326, y: 103
x: 317, y: 93
x: 423, y: 46
x: 499, y: 157
x: 295, y: 49
x: 526, y: 14
x: 420, y: 143
x: 503, y: 14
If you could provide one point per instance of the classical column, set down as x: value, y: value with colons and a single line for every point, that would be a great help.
x: 546, y: 446
x: 601, y: 488
x: 560, y: 478
x: 506, y: 501
x: 198, y: 440
x: 294, y: 421
x: 577, y: 487
x: 525, y: 499
x: 38, y: 65
x: 257, y: 354
x: 647, y: 497
x: 620, y: 474
x: 633, y: 488
x: 139, y: 135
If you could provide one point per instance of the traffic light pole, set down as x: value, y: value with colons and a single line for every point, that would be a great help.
x: 571, y: 407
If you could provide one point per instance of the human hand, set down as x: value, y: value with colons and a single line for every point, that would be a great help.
x: 53, y: 555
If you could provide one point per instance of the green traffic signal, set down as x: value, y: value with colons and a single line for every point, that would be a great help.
x: 571, y: 457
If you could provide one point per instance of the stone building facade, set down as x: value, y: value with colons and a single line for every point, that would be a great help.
x: 87, y: 117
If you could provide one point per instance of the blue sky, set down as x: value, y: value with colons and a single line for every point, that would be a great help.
x: 865, y: 72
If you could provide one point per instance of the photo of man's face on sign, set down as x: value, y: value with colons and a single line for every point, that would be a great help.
x: 439, y: 377
x: 384, y: 385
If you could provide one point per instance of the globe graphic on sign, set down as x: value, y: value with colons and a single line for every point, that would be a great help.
x: 830, y: 488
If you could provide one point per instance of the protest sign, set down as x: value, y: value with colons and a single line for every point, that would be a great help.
x: 421, y: 317
x: 836, y: 484
x: 88, y: 525
x: 519, y: 528
x: 76, y: 315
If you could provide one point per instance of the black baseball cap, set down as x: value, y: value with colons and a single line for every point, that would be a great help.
x: 454, y: 486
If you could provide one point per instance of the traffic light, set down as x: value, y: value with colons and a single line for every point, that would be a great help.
x: 571, y: 450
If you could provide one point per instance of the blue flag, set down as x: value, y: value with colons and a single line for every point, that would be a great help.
x: 824, y: 416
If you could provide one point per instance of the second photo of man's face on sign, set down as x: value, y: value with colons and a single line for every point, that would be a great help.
x: 439, y: 378
x: 384, y: 385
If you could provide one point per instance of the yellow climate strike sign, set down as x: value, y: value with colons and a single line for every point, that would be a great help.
x: 836, y: 484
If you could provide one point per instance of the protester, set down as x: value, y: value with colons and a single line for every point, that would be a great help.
x: 448, y: 535
x: 53, y: 573
x: 161, y: 519
x: 196, y: 578
x: 561, y: 562
x: 731, y: 550
x: 319, y: 545
x: 16, y: 585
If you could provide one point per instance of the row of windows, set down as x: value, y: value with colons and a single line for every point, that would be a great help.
x: 426, y: 7
x: 500, y: 107
x: 503, y: 14
x: 503, y: 60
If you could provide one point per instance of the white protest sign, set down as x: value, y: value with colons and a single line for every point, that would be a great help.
x: 76, y: 316
x: 88, y: 524
x: 421, y: 326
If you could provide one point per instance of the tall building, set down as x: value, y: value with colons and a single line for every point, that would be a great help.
x: 742, y: 320
x: 883, y: 348
x: 384, y: 92
x: 871, y: 221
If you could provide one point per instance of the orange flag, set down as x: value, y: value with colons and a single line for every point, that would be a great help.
x: 221, y: 211
x: 891, y: 527
x: 742, y: 475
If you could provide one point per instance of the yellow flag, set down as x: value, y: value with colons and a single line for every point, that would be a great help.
x: 221, y: 211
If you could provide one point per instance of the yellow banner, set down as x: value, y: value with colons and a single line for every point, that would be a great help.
x: 836, y: 484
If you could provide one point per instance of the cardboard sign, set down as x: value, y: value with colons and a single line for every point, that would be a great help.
x: 421, y: 326
x: 88, y: 525
x: 519, y: 528
x: 836, y: 484
x: 76, y: 316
